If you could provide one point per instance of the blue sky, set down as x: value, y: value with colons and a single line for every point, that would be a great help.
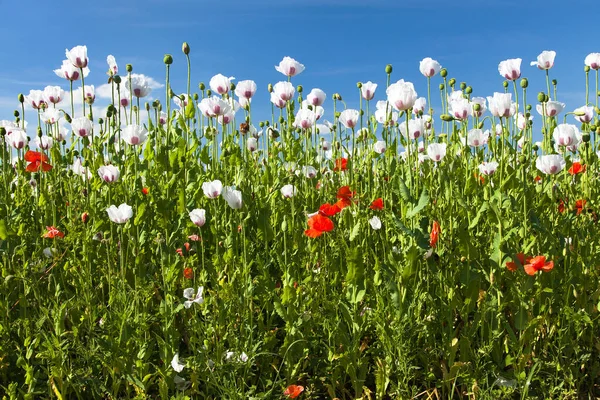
x: 339, y: 42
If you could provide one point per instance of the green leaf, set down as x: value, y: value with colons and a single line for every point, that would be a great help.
x: 3, y: 230
x: 423, y: 202
x: 355, y: 231
x: 190, y: 110
x: 482, y: 209
x: 404, y: 192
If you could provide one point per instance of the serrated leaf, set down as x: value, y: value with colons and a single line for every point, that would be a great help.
x: 423, y: 202
x: 355, y: 231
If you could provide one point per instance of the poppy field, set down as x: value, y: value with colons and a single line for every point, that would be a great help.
x: 175, y: 246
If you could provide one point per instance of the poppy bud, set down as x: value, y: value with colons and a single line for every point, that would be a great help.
x: 541, y: 97
x: 116, y: 79
x: 463, y: 86
x: 209, y: 92
x: 232, y: 86
x: 134, y: 109
x: 443, y: 72
x: 586, y: 69
x: 554, y: 82
x: 388, y: 69
x: 359, y: 85
x: 535, y: 147
x: 185, y: 47
x: 524, y: 83
x: 16, y: 113
x: 129, y: 67
x: 585, y: 137
x: 299, y: 88
x: 468, y: 90
x: 522, y: 158
x: 441, y: 86
x: 201, y: 86
x: 2, y: 131
x: 446, y: 117
x: 261, y: 124
x: 476, y: 106
x: 339, y: 96
x: 528, y: 108
x: 480, y: 125
x: 39, y: 131
x: 281, y: 120
x: 21, y: 98
x: 546, y: 98
x: 452, y: 82
x: 505, y: 84
x: 195, y: 97
x: 592, y: 128
x: 147, y: 106
x: 337, y: 114
x: 85, y: 217
x: 168, y: 59
x: 270, y: 87
x: 101, y: 121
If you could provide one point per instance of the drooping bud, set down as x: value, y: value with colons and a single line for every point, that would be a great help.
x: 185, y: 47
x: 535, y: 147
x: 147, y: 105
x: 446, y: 117
x: 524, y: 83
x: 480, y: 125
x: 388, y: 69
x: 168, y: 59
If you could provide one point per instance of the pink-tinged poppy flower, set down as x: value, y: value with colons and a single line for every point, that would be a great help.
x: 52, y: 233
x: 35, y: 99
x: 500, y: 105
x: 429, y: 67
x: 139, y: 86
x: 592, y: 60
x: 288, y: 191
x: 416, y: 128
x: 577, y: 168
x: 284, y: 90
x: 277, y: 100
x: 538, y: 263
x: 214, y: 106
x: 318, y: 225
x: 316, y: 97
x: 121, y: 214
x: 545, y: 60
x: 17, y: 139
x: 367, y: 90
x: 109, y: 173
x: 305, y: 118
x: 379, y: 147
x: 289, y: 67
x: 460, y: 108
x: 113, y: 68
x: 477, y: 137
x: 89, y: 94
x: 81, y: 126
x: 198, y: 217
x: 510, y: 69
x: 584, y: 114
x: 349, y: 118
x: 233, y: 197
x: 293, y: 391
x: 245, y: 89
x: 53, y: 94
x: 566, y: 135
x: 77, y: 56
x: 69, y: 72
x: 488, y: 168
x: 134, y: 135
x: 213, y: 189
x: 36, y: 161
x: 220, y: 83
x: 551, y: 109
x: 436, y: 151
x: 550, y: 164
x: 44, y: 142
x: 401, y: 95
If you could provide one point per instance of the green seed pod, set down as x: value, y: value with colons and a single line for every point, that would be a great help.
x: 267, y: 123
x: 463, y: 85
x: 585, y: 137
x: 201, y: 86
x: 2, y: 131
x: 147, y: 106
x: 443, y: 72
x: 446, y: 117
x: 209, y: 92
x: 524, y: 83
x: 452, y: 82
x: 100, y: 121
x: 362, y: 112
x: 261, y: 124
x: 480, y: 125
x: 477, y: 107
x: 468, y: 90
x: 299, y: 89
x: 522, y: 159
x: 129, y: 67
x: 134, y: 109
x: 528, y: 114
x: 359, y: 85
x: 535, y: 147
x: 541, y: 97
x: 168, y: 59
x: 441, y: 86
x: 586, y: 69
x: 546, y: 98
x: 505, y: 84
x: 554, y: 82
x: 116, y: 79
x: 281, y: 120
x: 270, y: 87
x: 388, y: 69
x: 528, y: 108
x: 185, y: 47
x: 195, y: 97
x: 232, y: 86
x: 39, y: 131
x: 21, y: 98
x: 109, y: 115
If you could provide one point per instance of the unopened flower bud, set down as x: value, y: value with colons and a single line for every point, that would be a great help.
x: 201, y: 86
x: 209, y: 92
x: 452, y: 82
x: 116, y: 79
x: 441, y: 86
x: 337, y: 114
x: 16, y: 113
x: 270, y: 88
x: 443, y: 72
x: 129, y: 67
x: 535, y: 147
x: 541, y: 97
x: 505, y: 84
x: 388, y: 69
x: 281, y: 120
x: 463, y: 86
x: 261, y: 124
x: 554, y: 82
x: 585, y: 137
x: 524, y: 83
x: 476, y: 106
x: 39, y: 131
x: 597, y: 110
x: 446, y: 117
x: 232, y: 86
x: 185, y: 47
x: 480, y: 125
x: 195, y: 97
x: 586, y: 69
x: 168, y: 59
x: 21, y: 98
x: 299, y: 89
x: 101, y: 121
x: 468, y: 90
x: 528, y: 108
x: 592, y: 128
x: 359, y: 85
x: 67, y: 118
x: 85, y: 217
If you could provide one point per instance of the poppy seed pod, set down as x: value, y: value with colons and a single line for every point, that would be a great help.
x: 129, y: 67
x: 388, y: 69
x: 209, y: 92
x: 441, y: 86
x: 116, y: 79
x: 468, y: 90
x: 443, y: 72
x: 201, y: 86
x: 168, y: 59
x: 2, y: 131
x: 134, y: 109
x: 195, y: 97
x: 452, y: 82
x: 524, y: 83
x: 528, y: 108
x: 535, y: 147
x: 463, y: 86
x: 232, y: 86
x: 522, y: 158
x: 101, y: 121
x: 477, y: 107
x: 585, y: 137
x: 554, y: 82
x: 586, y: 69
x: 16, y: 113
x: 185, y: 47
x: 338, y: 96
x: 299, y: 89
x: 505, y: 84
x: 281, y: 120
x: 39, y: 131
x: 359, y: 85
x: 541, y: 97
x: 261, y: 124
x: 21, y: 98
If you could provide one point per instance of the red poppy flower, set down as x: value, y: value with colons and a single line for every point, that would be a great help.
x: 36, y: 161
x: 537, y: 179
x: 293, y: 391
x: 341, y: 164
x: 435, y: 234
x: 194, y: 238
x: 580, y: 205
x: 561, y: 207
x: 145, y: 191
x: 328, y: 210
x: 377, y: 204
x: 52, y: 233
x: 344, y: 195
x: 523, y: 259
x: 577, y: 168
x: 180, y: 251
x: 318, y: 225
x: 538, y: 263
x: 188, y: 273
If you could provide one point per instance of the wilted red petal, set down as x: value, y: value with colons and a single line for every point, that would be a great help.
x: 377, y: 204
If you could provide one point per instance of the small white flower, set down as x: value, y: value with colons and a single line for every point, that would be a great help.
x: 379, y: 147
x: 213, y: 189
x: 177, y: 366
x: 198, y: 217
x: 243, y: 357
x: 120, y: 215
x: 288, y: 191
x: 233, y: 197
x: 375, y: 223
x: 193, y: 297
